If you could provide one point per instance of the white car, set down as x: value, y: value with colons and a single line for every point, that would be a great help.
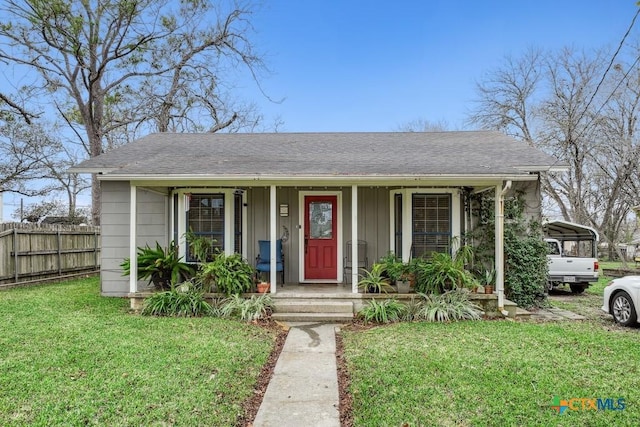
x: 622, y: 300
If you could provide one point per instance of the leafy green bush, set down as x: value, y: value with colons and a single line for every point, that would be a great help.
x: 526, y: 268
x: 525, y: 261
x: 162, y: 266
x: 181, y: 301
x: 394, y: 268
x: 447, y: 307
x: 247, y: 310
x: 231, y: 274
x: 385, y: 311
x: 412, y: 310
x: 444, y: 272
x: 374, y: 280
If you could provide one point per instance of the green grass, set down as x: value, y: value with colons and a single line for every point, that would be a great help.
x: 71, y: 357
x: 492, y: 373
x: 496, y: 372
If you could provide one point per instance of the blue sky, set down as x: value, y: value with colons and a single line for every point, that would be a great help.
x: 373, y: 65
x: 356, y: 65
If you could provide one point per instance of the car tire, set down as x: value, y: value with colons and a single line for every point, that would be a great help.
x: 577, y: 289
x: 622, y: 309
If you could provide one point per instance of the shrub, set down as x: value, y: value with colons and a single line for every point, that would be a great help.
x: 526, y: 269
x: 181, y: 301
x: 375, y: 281
x: 444, y: 272
x: 386, y: 311
x: 394, y: 268
x: 412, y: 310
x: 162, y: 266
x: 525, y: 261
x: 247, y: 310
x: 447, y: 307
x: 231, y: 274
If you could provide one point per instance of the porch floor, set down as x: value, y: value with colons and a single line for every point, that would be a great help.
x: 329, y: 289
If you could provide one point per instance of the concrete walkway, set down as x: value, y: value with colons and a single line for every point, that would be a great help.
x: 304, y: 388
x: 555, y: 314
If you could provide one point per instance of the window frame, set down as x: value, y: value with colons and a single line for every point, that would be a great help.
x: 231, y: 203
x: 407, y: 216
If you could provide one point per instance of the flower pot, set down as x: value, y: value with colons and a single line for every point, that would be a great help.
x: 488, y: 289
x: 403, y: 286
x: 263, y: 287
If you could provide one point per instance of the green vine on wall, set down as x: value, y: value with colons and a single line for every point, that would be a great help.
x: 525, y: 253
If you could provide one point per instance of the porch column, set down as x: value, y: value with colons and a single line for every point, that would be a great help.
x: 133, y: 253
x: 499, y: 239
x: 354, y: 239
x: 272, y: 238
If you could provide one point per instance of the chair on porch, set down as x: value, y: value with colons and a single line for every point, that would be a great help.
x: 363, y: 261
x: 263, y: 260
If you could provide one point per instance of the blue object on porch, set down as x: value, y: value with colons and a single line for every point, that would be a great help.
x: 363, y: 260
x: 263, y: 260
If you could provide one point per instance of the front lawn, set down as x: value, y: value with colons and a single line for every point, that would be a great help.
x: 491, y: 373
x: 71, y: 357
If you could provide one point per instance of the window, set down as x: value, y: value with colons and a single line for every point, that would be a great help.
x: 431, y: 223
x: 206, y: 218
x: 237, y: 222
x: 397, y: 224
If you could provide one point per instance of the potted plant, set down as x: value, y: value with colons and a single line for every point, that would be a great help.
x: 263, y: 287
x: 161, y: 266
x: 374, y: 280
x: 444, y: 272
x: 231, y: 274
x: 488, y: 280
x: 200, y: 247
x: 397, y: 271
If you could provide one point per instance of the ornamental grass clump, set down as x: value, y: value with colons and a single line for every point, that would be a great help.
x: 450, y: 306
x: 249, y: 309
x: 385, y: 311
x: 183, y: 300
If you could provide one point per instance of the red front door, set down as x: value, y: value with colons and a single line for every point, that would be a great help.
x: 320, y: 238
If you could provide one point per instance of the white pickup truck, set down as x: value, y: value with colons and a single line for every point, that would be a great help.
x: 572, y: 255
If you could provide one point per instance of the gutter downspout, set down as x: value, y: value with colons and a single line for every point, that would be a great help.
x: 499, y: 247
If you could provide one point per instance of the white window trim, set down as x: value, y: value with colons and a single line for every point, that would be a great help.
x: 229, y: 213
x: 301, y: 196
x: 407, y: 212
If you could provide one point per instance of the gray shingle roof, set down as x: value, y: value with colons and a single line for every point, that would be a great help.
x: 322, y: 154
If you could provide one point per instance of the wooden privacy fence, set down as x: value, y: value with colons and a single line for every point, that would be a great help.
x: 29, y: 252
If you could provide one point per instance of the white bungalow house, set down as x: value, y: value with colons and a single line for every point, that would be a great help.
x: 403, y: 192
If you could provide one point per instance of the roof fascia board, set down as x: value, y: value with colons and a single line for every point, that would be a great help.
x: 470, y: 180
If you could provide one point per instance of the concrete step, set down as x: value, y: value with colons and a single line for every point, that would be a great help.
x: 303, y: 306
x: 512, y: 308
x: 522, y: 314
x: 312, y: 317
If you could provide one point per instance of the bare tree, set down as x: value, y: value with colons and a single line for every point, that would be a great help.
x: 567, y: 104
x: 71, y: 184
x: 23, y: 148
x: 423, y: 125
x: 95, y: 58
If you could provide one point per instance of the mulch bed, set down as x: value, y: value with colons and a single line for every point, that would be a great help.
x: 251, y: 405
x: 344, y: 381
